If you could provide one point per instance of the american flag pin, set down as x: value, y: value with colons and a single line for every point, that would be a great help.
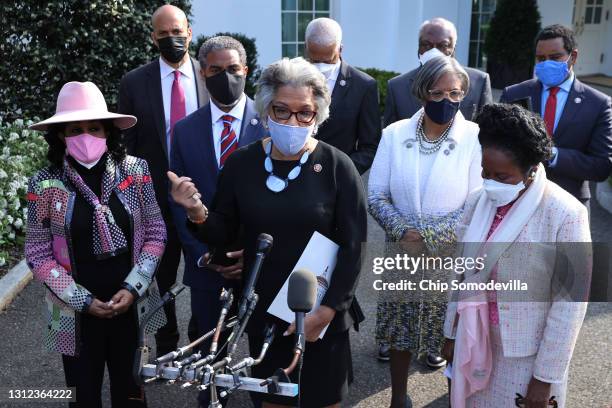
x: 342, y: 82
x: 254, y: 121
x: 317, y: 168
x: 578, y: 100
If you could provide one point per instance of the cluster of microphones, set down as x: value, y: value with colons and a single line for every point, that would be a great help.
x: 192, y: 366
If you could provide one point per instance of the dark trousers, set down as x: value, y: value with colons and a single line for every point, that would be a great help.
x: 167, y: 337
x: 111, y: 343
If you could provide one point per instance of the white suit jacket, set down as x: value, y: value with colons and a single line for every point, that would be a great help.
x: 454, y: 175
x: 548, y: 327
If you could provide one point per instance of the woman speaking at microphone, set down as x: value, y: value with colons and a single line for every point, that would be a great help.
x: 290, y: 185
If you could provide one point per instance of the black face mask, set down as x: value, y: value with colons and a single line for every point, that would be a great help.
x: 172, y: 48
x: 225, y: 88
x: 441, y: 112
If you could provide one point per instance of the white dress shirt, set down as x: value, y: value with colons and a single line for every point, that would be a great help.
x: 188, y: 82
x: 217, y: 124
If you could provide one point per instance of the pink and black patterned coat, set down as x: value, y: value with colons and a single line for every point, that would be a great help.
x: 48, y: 247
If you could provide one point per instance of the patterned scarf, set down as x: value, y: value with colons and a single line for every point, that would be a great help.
x: 108, y: 239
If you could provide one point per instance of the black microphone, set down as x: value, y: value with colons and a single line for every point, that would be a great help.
x: 301, y: 297
x: 264, y: 245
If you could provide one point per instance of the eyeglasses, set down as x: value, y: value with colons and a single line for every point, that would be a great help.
x: 301, y: 116
x: 455, y: 95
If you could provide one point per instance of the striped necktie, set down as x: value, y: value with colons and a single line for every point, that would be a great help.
x: 229, y: 142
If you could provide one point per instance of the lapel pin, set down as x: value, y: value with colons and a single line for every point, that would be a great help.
x: 578, y: 100
x: 342, y: 82
x: 254, y: 122
x: 317, y: 168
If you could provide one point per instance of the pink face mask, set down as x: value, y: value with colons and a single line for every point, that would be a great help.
x: 85, y: 147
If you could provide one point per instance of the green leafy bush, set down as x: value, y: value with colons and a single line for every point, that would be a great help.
x: 510, y: 41
x: 382, y: 77
x: 22, y: 153
x: 251, y: 51
x: 45, y: 44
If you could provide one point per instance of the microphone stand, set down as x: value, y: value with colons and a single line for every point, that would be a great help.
x: 250, y: 361
x: 227, y: 298
x: 142, y: 351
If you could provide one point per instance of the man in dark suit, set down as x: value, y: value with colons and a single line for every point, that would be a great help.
x: 437, y: 37
x: 354, y: 121
x: 578, y: 117
x: 201, y: 144
x: 159, y: 94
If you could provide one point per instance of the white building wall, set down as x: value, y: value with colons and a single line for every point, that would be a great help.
x: 377, y: 33
x: 606, y: 66
x: 260, y: 19
x: 556, y: 12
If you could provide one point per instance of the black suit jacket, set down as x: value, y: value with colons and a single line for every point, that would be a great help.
x: 140, y: 94
x: 583, y: 134
x: 402, y: 104
x: 354, y: 122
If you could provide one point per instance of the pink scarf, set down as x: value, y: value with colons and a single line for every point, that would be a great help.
x: 473, y: 359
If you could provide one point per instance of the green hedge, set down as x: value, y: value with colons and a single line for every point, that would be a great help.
x: 251, y: 51
x: 45, y: 44
x: 382, y: 77
x: 22, y: 154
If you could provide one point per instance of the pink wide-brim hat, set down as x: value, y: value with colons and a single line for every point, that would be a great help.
x: 78, y: 101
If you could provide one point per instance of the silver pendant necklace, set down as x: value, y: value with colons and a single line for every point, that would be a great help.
x: 275, y: 183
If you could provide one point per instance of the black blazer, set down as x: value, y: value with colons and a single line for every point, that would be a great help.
x: 354, y: 124
x: 140, y: 95
x: 583, y: 134
x: 402, y: 104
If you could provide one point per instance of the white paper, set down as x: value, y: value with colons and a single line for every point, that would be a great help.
x: 319, y: 257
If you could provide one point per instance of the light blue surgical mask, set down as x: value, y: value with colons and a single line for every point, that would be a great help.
x: 552, y: 73
x: 289, y: 140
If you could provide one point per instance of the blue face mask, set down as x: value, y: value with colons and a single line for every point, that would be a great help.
x: 552, y: 73
x: 288, y: 139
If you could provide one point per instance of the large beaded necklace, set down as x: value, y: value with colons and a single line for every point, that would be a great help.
x: 275, y: 183
x: 425, y: 145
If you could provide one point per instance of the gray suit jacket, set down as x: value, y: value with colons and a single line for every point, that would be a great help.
x: 140, y: 94
x: 402, y: 104
x: 583, y: 134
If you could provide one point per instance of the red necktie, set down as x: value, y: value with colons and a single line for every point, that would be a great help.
x: 229, y: 143
x: 550, y: 110
x: 177, y: 103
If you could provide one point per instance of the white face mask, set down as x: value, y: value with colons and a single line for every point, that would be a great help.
x: 501, y: 193
x: 288, y: 139
x: 325, y: 69
x: 430, y: 54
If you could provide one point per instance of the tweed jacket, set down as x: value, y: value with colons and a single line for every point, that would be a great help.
x: 545, y: 323
x: 48, y: 247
